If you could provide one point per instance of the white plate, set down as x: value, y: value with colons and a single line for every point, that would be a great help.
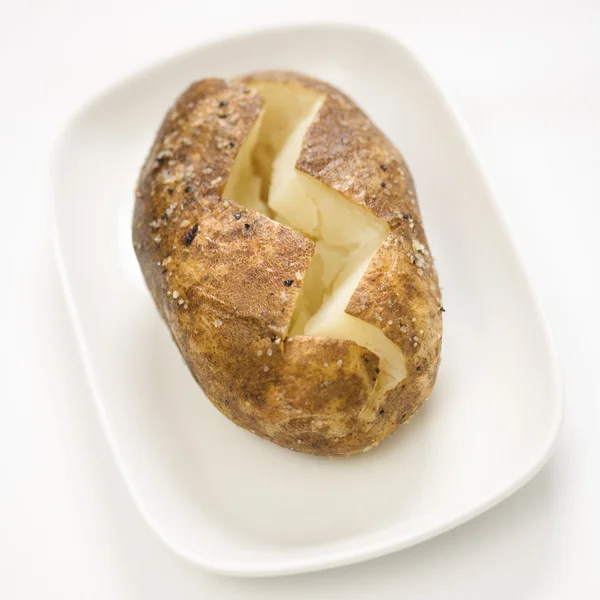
x: 222, y: 497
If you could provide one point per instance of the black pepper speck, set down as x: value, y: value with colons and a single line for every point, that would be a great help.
x: 288, y: 282
x: 188, y: 238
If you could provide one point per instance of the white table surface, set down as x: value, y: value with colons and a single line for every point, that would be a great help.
x: 526, y: 78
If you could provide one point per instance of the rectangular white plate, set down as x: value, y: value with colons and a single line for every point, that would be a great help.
x: 222, y: 497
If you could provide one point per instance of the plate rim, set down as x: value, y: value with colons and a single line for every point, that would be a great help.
x: 354, y: 553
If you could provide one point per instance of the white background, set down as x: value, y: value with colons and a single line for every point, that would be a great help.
x: 526, y: 78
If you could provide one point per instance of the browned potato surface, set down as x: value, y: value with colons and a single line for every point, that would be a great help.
x: 279, y: 234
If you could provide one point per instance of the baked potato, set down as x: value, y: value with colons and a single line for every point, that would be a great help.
x: 279, y: 234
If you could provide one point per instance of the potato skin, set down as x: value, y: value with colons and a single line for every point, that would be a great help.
x: 220, y: 274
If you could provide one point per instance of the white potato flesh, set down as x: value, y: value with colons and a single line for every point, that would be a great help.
x: 346, y: 236
x: 284, y: 107
x: 288, y: 196
x: 244, y: 184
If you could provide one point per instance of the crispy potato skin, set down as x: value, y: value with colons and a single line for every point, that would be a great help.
x: 220, y: 274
